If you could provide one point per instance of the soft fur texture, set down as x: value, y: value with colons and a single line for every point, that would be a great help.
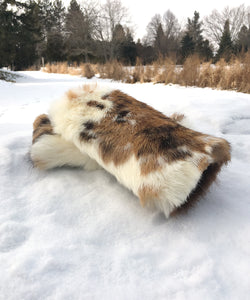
x: 164, y: 163
x: 50, y: 150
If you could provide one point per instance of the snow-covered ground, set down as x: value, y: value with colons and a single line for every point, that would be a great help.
x: 71, y: 234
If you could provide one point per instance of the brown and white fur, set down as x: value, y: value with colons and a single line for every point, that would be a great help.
x: 164, y: 163
x: 50, y: 150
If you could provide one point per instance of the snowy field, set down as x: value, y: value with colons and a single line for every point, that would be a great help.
x: 71, y: 234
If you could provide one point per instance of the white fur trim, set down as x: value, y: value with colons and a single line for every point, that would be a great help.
x: 51, y: 151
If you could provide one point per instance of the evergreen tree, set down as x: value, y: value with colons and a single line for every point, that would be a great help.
x: 79, y: 41
x: 187, y: 46
x: 29, y: 36
x: 59, y: 15
x: 193, y: 41
x: 124, y: 48
x: 118, y: 40
x: 129, y: 49
x: 55, y: 47
x: 226, y: 47
x: 8, y: 33
x: 20, y: 33
x: 205, y: 50
x: 194, y: 30
x: 55, y: 35
x: 47, y: 16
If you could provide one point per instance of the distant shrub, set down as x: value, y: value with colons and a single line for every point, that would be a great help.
x: 88, y: 71
x: 234, y: 75
x: 190, y: 72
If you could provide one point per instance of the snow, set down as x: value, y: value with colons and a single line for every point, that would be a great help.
x: 72, y: 234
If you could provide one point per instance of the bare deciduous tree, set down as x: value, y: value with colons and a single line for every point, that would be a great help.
x: 111, y: 14
x: 214, y: 23
x: 163, y: 33
x: 171, y: 25
x: 152, y: 29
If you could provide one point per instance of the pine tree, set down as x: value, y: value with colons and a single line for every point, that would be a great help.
x: 55, y: 47
x: 194, y: 29
x: 187, y: 46
x: 118, y: 40
x: 226, y: 45
x: 29, y: 36
x: 47, y: 16
x: 129, y: 49
x: 8, y: 33
x: 193, y: 41
x: 206, y: 51
x: 20, y: 33
x: 79, y: 41
x: 55, y: 41
x: 59, y: 15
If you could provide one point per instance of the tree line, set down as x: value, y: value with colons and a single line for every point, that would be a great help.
x: 37, y: 31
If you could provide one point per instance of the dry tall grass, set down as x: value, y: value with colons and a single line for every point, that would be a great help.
x: 113, y: 70
x: 190, y: 72
x: 135, y: 74
x: 227, y: 76
x: 87, y: 71
x: 244, y: 85
x: 232, y: 76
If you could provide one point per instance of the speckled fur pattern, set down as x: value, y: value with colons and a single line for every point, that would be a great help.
x: 165, y: 164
